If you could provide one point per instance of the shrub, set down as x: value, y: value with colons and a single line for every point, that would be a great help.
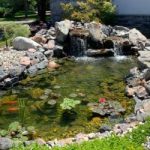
x: 89, y: 10
x: 2, y: 11
x: 12, y: 30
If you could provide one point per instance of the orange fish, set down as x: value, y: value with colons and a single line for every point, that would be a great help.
x: 12, y: 109
x: 10, y: 103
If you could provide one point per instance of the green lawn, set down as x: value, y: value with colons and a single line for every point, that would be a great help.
x: 19, y: 16
x: 132, y: 141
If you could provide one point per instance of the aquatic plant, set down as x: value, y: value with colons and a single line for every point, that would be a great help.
x: 69, y: 104
x: 22, y: 107
x: 36, y: 92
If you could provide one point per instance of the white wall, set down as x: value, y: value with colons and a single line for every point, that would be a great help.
x: 133, y: 7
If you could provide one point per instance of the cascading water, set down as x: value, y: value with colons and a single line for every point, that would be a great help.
x: 78, y: 46
x: 81, y: 45
x: 78, y: 42
x: 117, y: 49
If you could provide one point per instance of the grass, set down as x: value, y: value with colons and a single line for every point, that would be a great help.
x: 131, y: 141
x: 19, y: 16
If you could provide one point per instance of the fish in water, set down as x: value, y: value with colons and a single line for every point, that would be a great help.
x: 12, y: 109
x: 9, y: 103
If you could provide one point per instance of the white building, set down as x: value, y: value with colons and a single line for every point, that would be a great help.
x: 132, y: 7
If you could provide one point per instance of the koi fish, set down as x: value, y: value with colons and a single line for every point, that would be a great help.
x: 102, y: 100
x: 9, y: 103
x: 12, y: 109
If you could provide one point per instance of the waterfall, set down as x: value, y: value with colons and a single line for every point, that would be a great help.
x: 78, y: 46
x: 117, y: 49
x: 78, y: 42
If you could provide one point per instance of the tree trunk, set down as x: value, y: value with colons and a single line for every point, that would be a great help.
x: 42, y: 10
x: 26, y: 8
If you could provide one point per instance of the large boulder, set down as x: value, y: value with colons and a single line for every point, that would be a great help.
x: 5, y: 143
x: 23, y: 43
x: 95, y: 31
x: 62, y: 30
x: 137, y: 38
x: 144, y: 59
x: 96, y: 35
x: 142, y: 109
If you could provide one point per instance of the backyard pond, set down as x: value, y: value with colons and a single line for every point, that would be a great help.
x: 36, y: 100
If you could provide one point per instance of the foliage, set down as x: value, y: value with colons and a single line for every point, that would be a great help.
x: 36, y: 92
x: 89, y: 10
x: 22, y: 107
x: 131, y: 141
x: 14, y: 127
x: 69, y: 104
x: 9, y: 8
x: 3, y: 133
x: 12, y: 30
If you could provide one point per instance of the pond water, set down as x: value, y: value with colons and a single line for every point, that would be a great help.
x: 84, y: 79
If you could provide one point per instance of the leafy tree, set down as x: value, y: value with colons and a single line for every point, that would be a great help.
x: 89, y: 10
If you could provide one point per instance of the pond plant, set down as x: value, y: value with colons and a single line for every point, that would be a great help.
x: 68, y: 106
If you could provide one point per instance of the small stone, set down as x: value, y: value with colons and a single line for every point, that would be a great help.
x: 32, y: 50
x: 42, y: 64
x: 57, y: 87
x: 40, y: 141
x: 51, y: 143
x: 104, y: 128
x: 25, y: 61
x: 91, y: 135
x: 53, y: 65
x: 25, y: 133
x: 73, y: 95
x: 51, y: 44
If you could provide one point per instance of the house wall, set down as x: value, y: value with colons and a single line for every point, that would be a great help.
x: 131, y: 13
x: 134, y: 14
x: 132, y: 7
x: 56, y: 11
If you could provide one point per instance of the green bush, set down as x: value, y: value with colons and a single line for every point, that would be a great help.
x: 12, y: 30
x: 2, y: 11
x: 90, y: 10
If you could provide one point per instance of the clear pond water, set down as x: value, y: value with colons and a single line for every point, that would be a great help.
x: 85, y: 79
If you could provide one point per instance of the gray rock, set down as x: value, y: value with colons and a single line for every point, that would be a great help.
x: 99, y: 52
x: 40, y: 141
x: 142, y: 109
x: 32, y: 70
x: 42, y: 32
x: 104, y: 128
x: 137, y: 38
x: 106, y: 108
x: 58, y: 51
x: 23, y: 43
x: 3, y: 74
x: 42, y: 64
x: 144, y: 59
x: 51, y: 143
x: 17, y: 70
x: 95, y: 33
x: 49, y: 53
x: 5, y: 143
x: 62, y: 30
x: 146, y: 74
